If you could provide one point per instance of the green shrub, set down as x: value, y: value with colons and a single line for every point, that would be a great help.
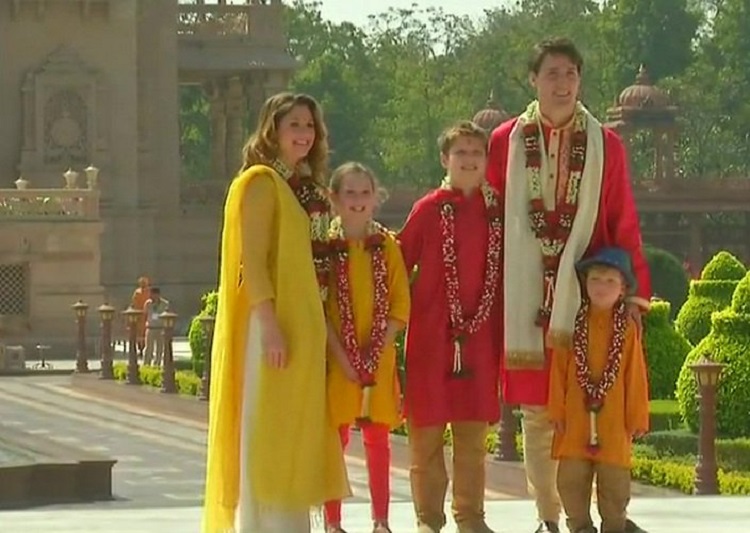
x: 709, y: 294
x: 731, y: 454
x: 196, y: 337
x: 724, y: 266
x: 682, y: 477
x: 665, y: 415
x: 668, y: 278
x: 666, y: 350
x: 188, y: 383
x: 728, y: 343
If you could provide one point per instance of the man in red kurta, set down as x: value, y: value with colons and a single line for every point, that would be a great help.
x: 565, y: 182
x: 452, y: 359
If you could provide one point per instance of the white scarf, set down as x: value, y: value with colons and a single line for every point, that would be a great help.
x: 523, y: 269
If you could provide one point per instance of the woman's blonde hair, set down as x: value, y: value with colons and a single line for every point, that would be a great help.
x: 263, y: 144
x: 352, y: 167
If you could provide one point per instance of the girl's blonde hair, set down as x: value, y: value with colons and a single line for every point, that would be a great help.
x: 262, y: 146
x: 352, y: 167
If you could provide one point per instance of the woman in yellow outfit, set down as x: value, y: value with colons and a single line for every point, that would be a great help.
x: 269, y: 370
x: 368, y: 304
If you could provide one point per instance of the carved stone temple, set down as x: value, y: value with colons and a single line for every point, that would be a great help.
x: 91, y: 195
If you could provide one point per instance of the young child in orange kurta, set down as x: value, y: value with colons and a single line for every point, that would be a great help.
x: 598, y: 397
x: 368, y: 304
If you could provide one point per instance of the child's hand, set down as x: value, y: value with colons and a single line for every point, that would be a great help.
x: 349, y: 372
x: 637, y: 434
x: 559, y: 427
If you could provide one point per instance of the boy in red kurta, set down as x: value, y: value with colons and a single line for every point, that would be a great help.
x: 566, y: 188
x: 453, y: 237
x: 598, y: 397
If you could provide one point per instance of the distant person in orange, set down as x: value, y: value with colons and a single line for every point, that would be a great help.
x: 598, y: 397
x: 140, y: 296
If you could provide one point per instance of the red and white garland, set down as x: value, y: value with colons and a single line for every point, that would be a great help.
x: 596, y: 392
x: 364, y: 360
x: 315, y: 203
x: 462, y: 326
x: 552, y: 235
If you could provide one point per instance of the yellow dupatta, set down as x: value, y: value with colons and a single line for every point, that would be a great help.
x: 296, y: 456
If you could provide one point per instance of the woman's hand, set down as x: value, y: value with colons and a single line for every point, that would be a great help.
x: 271, y: 339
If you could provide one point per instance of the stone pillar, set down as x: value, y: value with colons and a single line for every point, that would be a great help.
x: 695, y: 252
x: 658, y: 140
x: 215, y: 91
x: 670, y: 166
x: 236, y: 106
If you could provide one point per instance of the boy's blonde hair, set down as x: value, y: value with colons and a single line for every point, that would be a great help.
x: 463, y: 128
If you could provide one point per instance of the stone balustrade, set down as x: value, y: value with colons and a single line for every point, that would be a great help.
x: 49, y: 204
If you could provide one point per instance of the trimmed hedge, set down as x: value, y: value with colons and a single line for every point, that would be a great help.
x: 187, y: 382
x: 728, y: 343
x: 668, y: 278
x: 681, y: 477
x: 666, y: 350
x: 196, y: 337
x: 732, y: 455
x: 713, y: 292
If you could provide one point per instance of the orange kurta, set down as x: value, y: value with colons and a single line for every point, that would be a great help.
x: 625, y: 409
x: 344, y: 396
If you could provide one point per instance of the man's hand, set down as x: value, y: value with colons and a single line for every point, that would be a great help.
x: 635, y: 312
x: 560, y: 427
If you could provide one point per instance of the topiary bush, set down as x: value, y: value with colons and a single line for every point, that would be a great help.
x: 666, y: 350
x: 728, y: 343
x: 668, y: 278
x: 196, y: 337
x: 713, y: 292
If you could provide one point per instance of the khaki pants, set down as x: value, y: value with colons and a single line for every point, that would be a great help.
x: 154, y: 343
x: 541, y: 469
x: 575, y: 478
x: 429, y: 479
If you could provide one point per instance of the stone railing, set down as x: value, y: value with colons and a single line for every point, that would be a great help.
x: 49, y: 204
x: 214, y: 20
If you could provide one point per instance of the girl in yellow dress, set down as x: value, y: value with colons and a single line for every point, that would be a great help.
x: 273, y: 453
x: 368, y: 304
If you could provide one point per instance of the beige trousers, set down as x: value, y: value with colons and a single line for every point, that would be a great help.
x: 429, y: 478
x: 154, y: 352
x: 575, y: 478
x: 541, y: 469
x: 250, y: 516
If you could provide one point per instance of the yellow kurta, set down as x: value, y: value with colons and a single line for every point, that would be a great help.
x: 344, y: 396
x: 295, y: 459
x: 625, y: 409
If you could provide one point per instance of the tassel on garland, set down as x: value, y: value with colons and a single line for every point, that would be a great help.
x: 364, y: 418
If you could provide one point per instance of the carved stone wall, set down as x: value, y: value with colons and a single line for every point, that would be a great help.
x: 63, y: 105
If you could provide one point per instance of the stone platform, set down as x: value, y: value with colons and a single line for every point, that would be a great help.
x: 677, y: 515
x: 37, y: 471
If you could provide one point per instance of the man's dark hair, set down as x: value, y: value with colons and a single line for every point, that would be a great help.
x: 554, y: 47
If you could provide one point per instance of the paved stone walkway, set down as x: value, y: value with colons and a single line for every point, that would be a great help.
x: 681, y: 515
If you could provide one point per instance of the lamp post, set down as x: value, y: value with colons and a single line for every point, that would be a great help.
x: 133, y: 316
x: 707, y: 374
x: 107, y: 314
x: 208, y: 323
x: 167, y: 382
x: 506, y: 451
x: 82, y: 364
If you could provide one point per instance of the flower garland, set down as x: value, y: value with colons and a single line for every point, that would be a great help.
x: 364, y: 360
x: 552, y: 236
x: 596, y: 392
x: 461, y: 326
x: 315, y: 203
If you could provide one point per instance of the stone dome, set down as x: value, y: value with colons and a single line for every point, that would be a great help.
x: 491, y: 116
x: 643, y: 93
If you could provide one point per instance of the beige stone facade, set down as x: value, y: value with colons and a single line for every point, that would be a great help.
x: 95, y: 82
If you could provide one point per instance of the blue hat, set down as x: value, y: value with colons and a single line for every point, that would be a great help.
x: 615, y: 258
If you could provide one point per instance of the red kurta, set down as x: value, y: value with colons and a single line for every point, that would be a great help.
x: 433, y: 397
x: 617, y: 225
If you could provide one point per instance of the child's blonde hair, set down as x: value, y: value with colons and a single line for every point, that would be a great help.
x: 463, y: 128
x: 353, y: 167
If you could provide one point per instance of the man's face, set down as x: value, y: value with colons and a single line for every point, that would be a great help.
x: 557, y: 83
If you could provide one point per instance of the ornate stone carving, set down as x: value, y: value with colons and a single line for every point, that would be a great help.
x: 63, y: 117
